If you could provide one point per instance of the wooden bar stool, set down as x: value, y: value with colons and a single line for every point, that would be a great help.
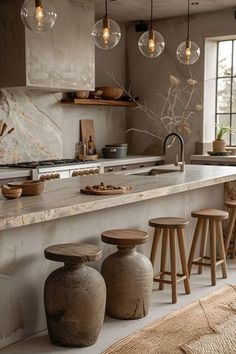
x: 74, y: 295
x: 169, y: 228
x: 128, y: 275
x: 211, y: 218
x: 231, y: 234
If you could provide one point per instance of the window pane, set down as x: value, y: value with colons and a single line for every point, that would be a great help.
x: 223, y: 95
x: 234, y: 69
x: 234, y: 96
x: 224, y: 119
x: 233, y: 135
x: 225, y: 58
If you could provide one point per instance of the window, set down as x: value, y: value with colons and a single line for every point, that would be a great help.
x: 226, y: 87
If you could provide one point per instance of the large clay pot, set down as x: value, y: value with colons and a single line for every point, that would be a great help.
x: 129, y: 279
x: 74, y: 298
x: 219, y: 145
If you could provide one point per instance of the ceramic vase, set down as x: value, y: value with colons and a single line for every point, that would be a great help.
x: 129, y: 279
x: 74, y: 298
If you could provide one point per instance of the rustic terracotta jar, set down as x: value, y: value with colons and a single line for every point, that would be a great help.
x: 219, y: 145
x: 129, y: 279
x: 74, y: 296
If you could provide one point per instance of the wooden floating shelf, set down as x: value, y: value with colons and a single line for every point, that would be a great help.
x: 98, y: 102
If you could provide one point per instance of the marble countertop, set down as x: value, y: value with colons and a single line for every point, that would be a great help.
x: 227, y: 159
x: 62, y: 198
x: 6, y: 173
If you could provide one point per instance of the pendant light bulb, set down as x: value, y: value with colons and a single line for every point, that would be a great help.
x: 188, y: 52
x: 38, y: 15
x: 106, y: 33
x: 151, y: 43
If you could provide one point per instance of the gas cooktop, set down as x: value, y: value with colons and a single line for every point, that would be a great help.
x: 47, y: 163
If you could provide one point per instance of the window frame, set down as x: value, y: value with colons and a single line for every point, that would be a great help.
x: 231, y: 77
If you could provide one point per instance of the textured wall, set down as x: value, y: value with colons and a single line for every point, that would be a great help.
x: 148, y: 77
x: 45, y: 129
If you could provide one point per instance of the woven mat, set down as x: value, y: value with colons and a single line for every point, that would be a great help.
x: 179, y: 332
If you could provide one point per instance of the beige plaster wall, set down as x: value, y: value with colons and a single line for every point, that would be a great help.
x: 148, y: 77
x: 46, y: 129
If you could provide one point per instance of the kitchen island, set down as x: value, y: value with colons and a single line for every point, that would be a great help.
x: 61, y: 214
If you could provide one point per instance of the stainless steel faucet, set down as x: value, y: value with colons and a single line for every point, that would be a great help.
x: 177, y: 163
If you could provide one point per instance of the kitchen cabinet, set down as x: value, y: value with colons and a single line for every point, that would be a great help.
x: 61, y: 59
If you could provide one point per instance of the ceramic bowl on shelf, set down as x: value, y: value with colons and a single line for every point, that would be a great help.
x: 111, y: 93
x: 11, y: 192
x: 96, y: 94
x: 82, y: 94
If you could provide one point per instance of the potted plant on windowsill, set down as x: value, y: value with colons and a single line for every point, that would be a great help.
x: 219, y: 142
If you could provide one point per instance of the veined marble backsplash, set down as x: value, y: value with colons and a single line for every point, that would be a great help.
x: 38, y: 124
x: 46, y: 129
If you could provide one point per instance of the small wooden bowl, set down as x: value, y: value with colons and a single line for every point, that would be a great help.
x: 111, y: 93
x: 29, y: 188
x: 11, y: 192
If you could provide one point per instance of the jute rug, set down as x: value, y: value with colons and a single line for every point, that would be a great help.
x: 207, y: 326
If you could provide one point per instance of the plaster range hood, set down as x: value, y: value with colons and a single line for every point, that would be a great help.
x: 62, y: 59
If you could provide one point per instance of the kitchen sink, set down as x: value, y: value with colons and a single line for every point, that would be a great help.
x: 153, y: 172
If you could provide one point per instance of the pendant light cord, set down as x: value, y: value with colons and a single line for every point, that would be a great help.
x: 151, y: 13
x: 105, y: 8
x: 38, y: 3
x: 188, y: 30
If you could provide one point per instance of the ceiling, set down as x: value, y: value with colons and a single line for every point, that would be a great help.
x: 134, y: 10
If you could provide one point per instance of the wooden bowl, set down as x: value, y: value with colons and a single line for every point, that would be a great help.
x: 11, y: 192
x: 111, y: 93
x: 29, y: 188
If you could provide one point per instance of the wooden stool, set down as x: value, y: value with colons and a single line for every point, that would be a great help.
x: 231, y: 235
x: 128, y: 275
x: 169, y: 227
x: 74, y: 296
x: 211, y: 218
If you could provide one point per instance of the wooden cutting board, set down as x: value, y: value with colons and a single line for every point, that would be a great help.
x: 87, y: 130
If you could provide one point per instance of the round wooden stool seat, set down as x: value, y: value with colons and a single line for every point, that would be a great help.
x: 210, y: 214
x: 124, y: 237
x: 73, y: 253
x: 168, y: 223
x: 231, y: 203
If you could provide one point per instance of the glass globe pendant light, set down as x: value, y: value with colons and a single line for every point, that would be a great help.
x: 151, y: 43
x: 38, y: 15
x: 106, y: 32
x: 188, y: 52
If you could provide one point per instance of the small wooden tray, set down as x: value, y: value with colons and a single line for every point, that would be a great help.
x: 106, y: 192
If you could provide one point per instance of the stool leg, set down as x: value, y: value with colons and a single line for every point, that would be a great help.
x: 221, y: 248
x: 173, y: 265
x: 234, y: 246
x: 156, y: 238
x: 230, y: 229
x: 165, y: 236
x: 194, y: 244
x: 213, y: 251
x: 183, y: 259
x: 203, y: 243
